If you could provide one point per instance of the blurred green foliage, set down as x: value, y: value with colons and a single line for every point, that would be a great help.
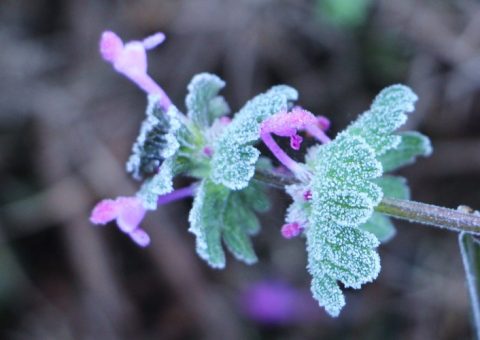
x: 343, y: 13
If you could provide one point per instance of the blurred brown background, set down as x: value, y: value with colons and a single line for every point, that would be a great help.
x: 67, y: 122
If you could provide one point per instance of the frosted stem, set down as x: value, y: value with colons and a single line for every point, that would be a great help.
x: 432, y: 215
x: 470, y: 250
x: 427, y: 214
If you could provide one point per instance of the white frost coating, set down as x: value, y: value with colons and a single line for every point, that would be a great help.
x: 171, y: 145
x: 343, y: 168
x: 160, y: 184
x: 220, y: 214
x: 394, y: 186
x: 203, y: 103
x: 381, y: 226
x: 204, y: 226
x: 386, y: 114
x: 233, y: 163
x: 343, y: 197
x: 378, y: 224
x: 412, y: 145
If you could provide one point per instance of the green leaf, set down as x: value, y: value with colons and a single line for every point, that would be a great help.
x: 343, y: 197
x: 344, y: 13
x: 205, y: 224
x: 156, y: 141
x: 412, y: 145
x: 339, y: 253
x: 381, y: 226
x: 203, y: 103
x: 342, y: 185
x: 386, y: 114
x: 394, y: 186
x: 219, y: 213
x: 233, y: 163
x: 160, y: 184
x: 326, y: 291
x: 378, y: 224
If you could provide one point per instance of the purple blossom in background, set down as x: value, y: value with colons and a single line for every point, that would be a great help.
x: 128, y: 213
x: 278, y: 303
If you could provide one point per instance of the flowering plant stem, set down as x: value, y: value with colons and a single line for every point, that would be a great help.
x: 427, y: 214
x: 470, y: 251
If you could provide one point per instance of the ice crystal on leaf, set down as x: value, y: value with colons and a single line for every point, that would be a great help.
x: 233, y: 163
x: 203, y: 103
x: 159, y: 184
x: 412, y: 145
x: 378, y: 224
x: 221, y: 214
x: 343, y: 197
x: 386, y: 115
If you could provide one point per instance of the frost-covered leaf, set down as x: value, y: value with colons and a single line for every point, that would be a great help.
x: 387, y: 113
x: 412, y: 145
x: 255, y: 196
x: 219, y: 213
x: 203, y: 102
x: 381, y: 226
x: 339, y: 253
x: 343, y: 197
x: 326, y: 291
x: 394, y: 186
x: 209, y: 203
x: 233, y: 163
x: 156, y: 141
x: 342, y: 186
x: 159, y: 184
x: 378, y: 224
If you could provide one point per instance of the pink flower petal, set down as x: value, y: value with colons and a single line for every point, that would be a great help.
x: 140, y: 237
x: 104, y: 212
x: 286, y: 124
x: 131, y: 213
x: 153, y: 40
x: 295, y: 142
x: 132, y: 61
x: 291, y: 230
x: 111, y: 46
x: 323, y: 122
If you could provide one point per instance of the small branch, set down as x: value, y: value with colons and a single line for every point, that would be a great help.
x: 469, y: 251
x: 430, y: 214
x: 422, y: 213
x: 274, y: 180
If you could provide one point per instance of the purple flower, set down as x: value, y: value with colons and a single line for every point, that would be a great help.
x: 291, y: 230
x: 128, y: 213
x: 130, y: 59
x: 278, y: 303
x: 288, y: 124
